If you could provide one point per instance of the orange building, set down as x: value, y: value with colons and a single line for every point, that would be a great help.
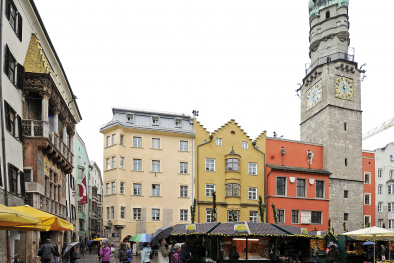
x: 369, y: 188
x: 297, y: 184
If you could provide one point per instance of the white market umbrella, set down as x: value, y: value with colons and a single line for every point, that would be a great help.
x: 369, y: 233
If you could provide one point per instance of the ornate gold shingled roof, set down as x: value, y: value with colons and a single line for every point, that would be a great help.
x: 36, y: 61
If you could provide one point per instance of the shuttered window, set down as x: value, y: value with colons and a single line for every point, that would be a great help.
x: 13, y: 179
x: 10, y: 64
x: 14, y: 18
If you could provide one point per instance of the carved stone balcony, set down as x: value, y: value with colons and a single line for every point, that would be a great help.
x: 52, y: 145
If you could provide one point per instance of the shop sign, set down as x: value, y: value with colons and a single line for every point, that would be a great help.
x: 305, y: 217
x: 304, y: 231
x: 191, y: 228
x: 239, y: 228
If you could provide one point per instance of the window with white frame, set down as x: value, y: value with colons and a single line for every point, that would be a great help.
x: 113, y: 162
x: 155, y: 190
x: 108, y: 141
x: 156, y: 166
x: 390, y: 207
x: 253, y: 216
x: 391, y: 174
x: 113, y: 188
x: 155, y: 214
x: 121, y: 140
x: 367, y: 221
x: 121, y: 163
x: 112, y: 212
x: 184, y: 146
x: 108, y: 189
x: 113, y: 139
x: 391, y: 223
x: 209, y: 189
x: 137, y: 164
x: 295, y: 215
x: 137, y: 142
x: 183, y: 214
x: 252, y: 193
x: 380, y: 207
x: 319, y: 189
x: 183, y: 168
x: 244, y: 145
x: 233, y: 190
x: 108, y: 164
x: 280, y: 214
x: 280, y: 185
x: 209, y: 215
x: 155, y: 121
x: 122, y: 212
x: 380, y: 187
x: 380, y: 172
x: 121, y: 188
x: 178, y: 123
x: 155, y: 143
x: 252, y: 168
x: 367, y: 178
x: 390, y: 189
x: 233, y: 165
x: 130, y: 118
x: 108, y: 213
x: 136, y: 213
x: 137, y: 189
x: 184, y: 190
x: 380, y: 223
x: 233, y: 215
x: 367, y: 199
x: 301, y: 187
x: 209, y: 165
x: 218, y: 141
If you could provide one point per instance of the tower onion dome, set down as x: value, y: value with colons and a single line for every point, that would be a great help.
x: 316, y: 5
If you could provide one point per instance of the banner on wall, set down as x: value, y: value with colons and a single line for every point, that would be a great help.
x: 83, y: 193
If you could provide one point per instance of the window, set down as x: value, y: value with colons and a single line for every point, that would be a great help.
x: 80, y: 172
x: 253, y: 216
x: 121, y: 140
x: 391, y: 174
x: 136, y: 213
x: 390, y: 207
x: 339, y: 23
x: 108, y: 213
x: 183, y: 168
x: 122, y: 188
x: 155, y: 214
x: 391, y: 224
x: 108, y: 164
x: 367, y: 220
x: 327, y: 14
x: 295, y: 216
x: 137, y: 189
x: 380, y: 171
x: 244, y: 145
x: 380, y: 187
x: 121, y: 162
x: 345, y: 22
x: 113, y: 139
x: 280, y: 213
x: 10, y: 64
x: 112, y: 212
x: 345, y: 194
x: 184, y: 215
x: 316, y: 217
x: 367, y: 199
x: 130, y: 118
x: 252, y: 193
x: 380, y: 223
x: 156, y: 166
x: 367, y: 178
x: 301, y: 187
x: 137, y: 142
x: 178, y: 123
x: 233, y: 215
x: 209, y: 189
x: 209, y: 215
x: 232, y: 165
x: 380, y: 207
x: 390, y: 189
x: 280, y: 185
x: 345, y: 126
x: 218, y: 142
x: 108, y: 189
x: 13, y: 177
x: 113, y: 162
x: 210, y: 165
x: 122, y: 212
x: 108, y: 141
x: 252, y: 168
x: 155, y: 190
x: 10, y: 119
x: 137, y: 164
x: 184, y: 190
x: 319, y: 189
x: 345, y: 216
x: 345, y: 161
x: 155, y: 121
x: 155, y: 143
x: 319, y: 30
x: 232, y: 190
x: 113, y: 188
x: 184, y: 146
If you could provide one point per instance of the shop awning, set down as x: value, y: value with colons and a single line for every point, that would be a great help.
x: 10, y: 217
x: 252, y: 229
x: 49, y: 222
x: 194, y: 229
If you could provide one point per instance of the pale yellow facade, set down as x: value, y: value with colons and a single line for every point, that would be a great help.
x: 149, y: 190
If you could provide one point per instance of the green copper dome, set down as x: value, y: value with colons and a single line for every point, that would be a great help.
x: 316, y: 5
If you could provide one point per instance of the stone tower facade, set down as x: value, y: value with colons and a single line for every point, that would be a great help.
x: 331, y: 109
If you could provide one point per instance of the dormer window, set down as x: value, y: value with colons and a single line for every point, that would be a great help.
x: 232, y: 165
x: 178, y: 123
x: 130, y: 118
x: 327, y: 14
x: 155, y: 120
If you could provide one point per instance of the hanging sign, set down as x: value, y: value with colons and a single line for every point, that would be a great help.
x: 191, y: 228
x: 240, y: 228
x: 304, y: 231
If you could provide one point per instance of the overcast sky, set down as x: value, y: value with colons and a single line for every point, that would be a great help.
x: 227, y: 59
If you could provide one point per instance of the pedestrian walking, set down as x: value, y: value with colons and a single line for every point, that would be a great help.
x: 176, y: 255
x: 234, y: 256
x: 82, y: 248
x: 333, y: 255
x: 316, y: 253
x: 123, y: 253
x: 56, y: 254
x: 105, y: 253
x: 145, y: 253
x: 46, y: 251
x: 163, y: 251
x: 90, y: 246
x: 129, y: 251
x: 73, y: 255
x: 64, y: 258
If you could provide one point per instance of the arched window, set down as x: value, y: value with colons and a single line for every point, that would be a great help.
x: 327, y: 14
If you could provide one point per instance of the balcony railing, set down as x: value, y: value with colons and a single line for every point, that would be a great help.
x: 329, y: 58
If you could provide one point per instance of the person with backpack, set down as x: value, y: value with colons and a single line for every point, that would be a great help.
x: 105, y: 253
x: 46, y: 251
x: 175, y: 257
x: 145, y: 253
x: 123, y: 254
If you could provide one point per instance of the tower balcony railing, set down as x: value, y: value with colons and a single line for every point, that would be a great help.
x: 327, y: 59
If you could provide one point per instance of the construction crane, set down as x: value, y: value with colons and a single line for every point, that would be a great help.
x: 386, y: 125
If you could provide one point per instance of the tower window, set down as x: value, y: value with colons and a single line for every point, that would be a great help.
x: 319, y: 30
x: 345, y: 126
x: 327, y: 14
x: 345, y: 194
x: 345, y: 161
x: 338, y: 23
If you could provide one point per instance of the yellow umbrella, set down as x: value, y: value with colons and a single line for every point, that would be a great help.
x: 12, y: 218
x: 49, y: 221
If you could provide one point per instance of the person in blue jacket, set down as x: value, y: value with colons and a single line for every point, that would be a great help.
x: 145, y: 253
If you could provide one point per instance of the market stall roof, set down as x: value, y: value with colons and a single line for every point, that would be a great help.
x: 253, y: 229
x: 10, y: 218
x: 319, y: 233
x: 201, y: 228
x: 295, y: 230
x: 175, y: 228
x: 49, y: 221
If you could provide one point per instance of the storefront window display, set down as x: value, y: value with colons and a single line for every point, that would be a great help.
x: 253, y: 248
x: 321, y: 244
x: 293, y: 249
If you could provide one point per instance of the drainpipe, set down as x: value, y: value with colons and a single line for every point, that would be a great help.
x: 198, y: 173
x: 265, y: 181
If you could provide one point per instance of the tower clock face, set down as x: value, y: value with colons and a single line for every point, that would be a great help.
x: 344, y: 88
x: 314, y: 95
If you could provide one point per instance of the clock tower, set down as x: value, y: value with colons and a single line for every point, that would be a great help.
x: 331, y: 109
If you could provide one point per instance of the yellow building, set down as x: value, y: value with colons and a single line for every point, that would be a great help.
x: 231, y: 164
x: 147, y: 172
